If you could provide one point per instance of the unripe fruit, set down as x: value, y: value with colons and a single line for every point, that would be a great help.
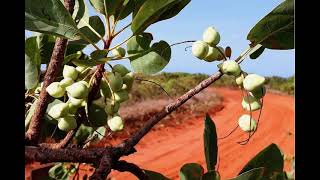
x: 66, y: 82
x: 252, y: 82
x: 200, y: 49
x: 85, y: 83
x: 258, y: 93
x: 245, y: 124
x: 58, y: 110
x: 105, y: 90
x: 250, y: 103
x: 211, y: 36
x: 128, y: 80
x: 112, y: 107
x: 115, y: 123
x: 67, y: 123
x: 55, y: 90
x: 121, y: 69
x: 70, y: 72
x: 240, y: 78
x: 121, y: 96
x: 81, y: 69
x: 71, y: 108
x: 212, y: 54
x: 78, y: 90
x: 97, y: 115
x: 119, y: 52
x: 75, y: 102
x: 230, y: 68
x: 220, y: 56
x: 115, y: 81
x: 124, y: 87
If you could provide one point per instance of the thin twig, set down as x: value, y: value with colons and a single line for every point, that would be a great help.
x: 139, y: 79
x: 122, y: 29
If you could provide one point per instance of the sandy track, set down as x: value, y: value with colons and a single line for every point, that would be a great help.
x: 168, y: 149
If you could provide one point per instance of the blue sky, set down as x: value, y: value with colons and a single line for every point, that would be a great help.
x: 233, y: 19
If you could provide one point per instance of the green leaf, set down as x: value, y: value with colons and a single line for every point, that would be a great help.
x: 58, y: 172
x: 145, y: 59
x: 50, y: 16
x: 275, y: 30
x: 112, y: 6
x: 71, y: 57
x: 257, y: 53
x: 98, y: 29
x: 98, y: 54
x: 97, y: 114
x: 153, y: 11
x: 210, y: 143
x: 253, y: 174
x: 155, y: 175
x: 100, y: 132
x: 80, y: 13
x: 32, y: 63
x: 270, y: 158
x: 191, y: 171
x: 29, y: 114
x: 174, y: 10
x: 89, y: 62
x: 83, y: 133
x: 211, y: 175
x: 126, y: 9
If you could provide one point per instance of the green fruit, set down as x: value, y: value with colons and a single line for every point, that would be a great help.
x: 55, y: 90
x: 72, y: 109
x: 128, y: 80
x: 240, y: 78
x: 70, y: 72
x: 75, y: 102
x: 105, y: 90
x: 250, y: 103
x: 119, y: 52
x: 121, y: 69
x: 121, y: 96
x: 81, y: 69
x: 115, y: 123
x: 230, y: 68
x: 85, y: 83
x: 58, y: 110
x: 200, y: 49
x: 112, y: 107
x: 253, y: 81
x: 115, y: 81
x: 246, y: 123
x: 212, y: 54
x: 258, y: 93
x: 124, y: 87
x: 66, y: 82
x: 78, y: 90
x: 67, y: 123
x: 211, y: 36
x: 220, y: 56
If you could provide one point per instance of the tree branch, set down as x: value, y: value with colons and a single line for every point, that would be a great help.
x: 103, y: 169
x: 123, y: 166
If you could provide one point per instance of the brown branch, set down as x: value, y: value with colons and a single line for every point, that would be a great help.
x: 134, y: 139
x: 123, y: 166
x: 33, y: 133
x: 103, y: 169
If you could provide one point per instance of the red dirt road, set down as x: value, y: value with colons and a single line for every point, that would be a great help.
x: 168, y: 149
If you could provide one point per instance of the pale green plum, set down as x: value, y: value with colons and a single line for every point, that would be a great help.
x: 119, y: 52
x: 251, y: 103
x: 58, y: 110
x: 72, y: 109
x: 259, y: 92
x: 112, y: 107
x: 66, y: 82
x: 75, y: 102
x: 115, y: 123
x: 115, y: 81
x: 105, y: 90
x: 230, y: 68
x: 253, y: 81
x: 200, y: 49
x: 128, y: 80
x: 212, y: 54
x: 67, y: 123
x: 70, y: 72
x: 55, y: 90
x: 240, y: 78
x: 211, y: 36
x: 246, y: 123
x: 121, y: 96
x: 78, y: 90
x: 121, y: 69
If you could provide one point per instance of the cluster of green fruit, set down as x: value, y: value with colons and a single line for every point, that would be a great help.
x: 207, y: 49
x: 253, y: 84
x: 114, y: 89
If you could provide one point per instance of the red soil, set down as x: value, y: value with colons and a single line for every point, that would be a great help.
x: 167, y: 150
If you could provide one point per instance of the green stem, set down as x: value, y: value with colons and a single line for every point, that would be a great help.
x: 89, y: 41
x: 121, y: 43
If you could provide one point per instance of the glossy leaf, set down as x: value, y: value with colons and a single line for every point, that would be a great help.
x: 83, y: 133
x: 210, y: 143
x: 191, y: 171
x: 29, y: 114
x: 270, y: 158
x: 50, y: 16
x: 100, y: 132
x: 71, y: 57
x: 257, y: 53
x: 80, y: 13
x: 174, y: 10
x: 275, y: 30
x: 145, y: 59
x: 152, y: 175
x: 98, y: 54
x: 253, y: 174
x: 32, y: 63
